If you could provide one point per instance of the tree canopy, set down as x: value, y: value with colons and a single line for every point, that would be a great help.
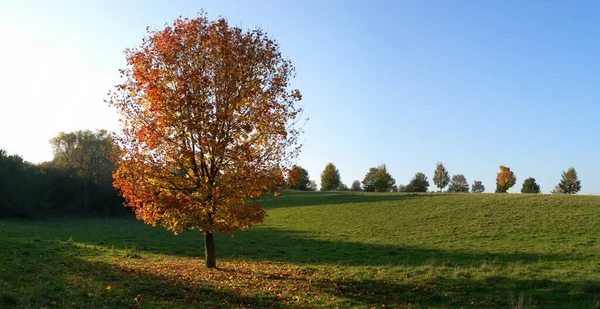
x: 88, y: 155
x: 440, y: 176
x: 356, y: 186
x: 418, y: 183
x: 207, y: 116
x: 298, y: 178
x: 569, y: 183
x: 378, y: 180
x: 530, y: 186
x: 477, y: 187
x: 505, y: 179
x: 330, y: 178
x: 458, y: 184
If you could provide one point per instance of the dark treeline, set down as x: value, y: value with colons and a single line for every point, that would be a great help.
x: 78, y: 181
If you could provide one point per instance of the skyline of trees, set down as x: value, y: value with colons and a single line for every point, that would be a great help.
x: 62, y: 184
x: 78, y: 180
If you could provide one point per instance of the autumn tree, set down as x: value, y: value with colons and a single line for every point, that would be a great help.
x: 418, y: 183
x: 298, y: 178
x: 378, y: 180
x: 206, y: 117
x: 570, y: 183
x: 530, y: 186
x: 355, y: 186
x: 440, y: 176
x: 505, y: 179
x: 330, y: 178
x: 477, y: 187
x: 458, y: 184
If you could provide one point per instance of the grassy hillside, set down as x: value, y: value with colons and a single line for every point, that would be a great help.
x: 315, y: 249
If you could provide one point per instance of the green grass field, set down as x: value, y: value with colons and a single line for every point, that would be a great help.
x: 321, y: 250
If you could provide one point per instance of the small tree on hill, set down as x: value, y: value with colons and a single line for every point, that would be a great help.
x: 530, y: 186
x: 355, y: 186
x: 556, y: 190
x: 570, y: 183
x: 419, y: 183
x: 477, y: 187
x: 378, y: 180
x: 298, y: 178
x: 440, y: 176
x: 312, y: 186
x: 505, y: 179
x: 330, y: 178
x: 458, y: 184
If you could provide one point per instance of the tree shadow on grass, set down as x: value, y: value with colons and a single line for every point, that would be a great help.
x: 269, y: 244
x: 67, y: 275
x: 303, y: 248
x: 291, y: 198
x: 63, y: 275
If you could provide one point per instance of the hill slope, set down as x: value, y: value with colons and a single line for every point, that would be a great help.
x: 322, y: 249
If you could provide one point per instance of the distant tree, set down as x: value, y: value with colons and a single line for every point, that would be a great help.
x: 477, y: 187
x: 530, y: 186
x: 368, y: 182
x: 419, y: 183
x: 378, y: 180
x: 556, y: 190
x: 22, y: 187
x: 440, y: 176
x: 384, y: 182
x: 343, y: 187
x: 355, y: 186
x: 401, y: 188
x: 458, y: 184
x: 87, y: 154
x: 298, y: 178
x: 312, y: 186
x: 505, y: 179
x: 570, y: 183
x: 330, y: 178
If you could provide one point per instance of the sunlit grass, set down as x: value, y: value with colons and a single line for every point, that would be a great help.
x: 346, y: 250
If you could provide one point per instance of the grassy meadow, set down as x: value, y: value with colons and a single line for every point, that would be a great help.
x: 321, y: 250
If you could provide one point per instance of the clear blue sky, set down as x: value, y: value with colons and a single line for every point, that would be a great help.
x: 474, y: 84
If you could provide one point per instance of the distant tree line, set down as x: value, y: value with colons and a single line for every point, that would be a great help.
x: 378, y: 179
x: 78, y: 180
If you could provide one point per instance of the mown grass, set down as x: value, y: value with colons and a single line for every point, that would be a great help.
x: 331, y: 250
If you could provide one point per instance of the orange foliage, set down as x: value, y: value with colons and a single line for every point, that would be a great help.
x: 505, y: 179
x: 206, y: 118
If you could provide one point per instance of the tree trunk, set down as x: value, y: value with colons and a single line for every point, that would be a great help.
x: 209, y: 250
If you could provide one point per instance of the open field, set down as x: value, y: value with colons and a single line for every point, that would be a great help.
x: 332, y: 250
